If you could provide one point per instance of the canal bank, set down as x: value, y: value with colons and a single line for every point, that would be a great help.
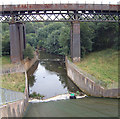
x: 50, y: 74
x: 87, y: 85
x: 15, y: 103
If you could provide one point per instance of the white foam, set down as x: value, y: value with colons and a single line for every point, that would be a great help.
x: 56, y: 98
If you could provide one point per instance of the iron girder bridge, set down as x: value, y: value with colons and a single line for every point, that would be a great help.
x: 60, y: 12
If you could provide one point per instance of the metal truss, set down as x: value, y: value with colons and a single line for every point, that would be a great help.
x: 61, y: 16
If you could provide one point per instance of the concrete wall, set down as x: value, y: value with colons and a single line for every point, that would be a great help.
x: 15, y: 109
x: 87, y: 85
x: 28, y: 63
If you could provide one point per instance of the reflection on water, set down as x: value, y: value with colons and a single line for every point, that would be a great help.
x: 48, y: 77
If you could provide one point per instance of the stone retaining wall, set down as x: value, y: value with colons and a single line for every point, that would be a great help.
x: 87, y: 85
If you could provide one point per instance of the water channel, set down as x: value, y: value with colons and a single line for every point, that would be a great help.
x: 48, y: 77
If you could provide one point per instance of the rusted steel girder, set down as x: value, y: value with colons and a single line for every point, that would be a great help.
x: 59, y: 12
x: 60, y: 17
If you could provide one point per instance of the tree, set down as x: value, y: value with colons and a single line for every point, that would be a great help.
x: 86, y: 34
x: 106, y: 36
x: 64, y: 41
x: 28, y: 52
x: 5, y: 39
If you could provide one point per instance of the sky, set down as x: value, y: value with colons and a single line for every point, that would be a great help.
x: 3, y: 2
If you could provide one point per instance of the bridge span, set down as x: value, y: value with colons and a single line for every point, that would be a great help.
x: 17, y: 15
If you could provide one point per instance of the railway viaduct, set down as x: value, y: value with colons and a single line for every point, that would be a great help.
x: 17, y: 15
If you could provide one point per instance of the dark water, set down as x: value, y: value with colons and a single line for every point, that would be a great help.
x: 48, y: 76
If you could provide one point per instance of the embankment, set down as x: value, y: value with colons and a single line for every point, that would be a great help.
x: 87, y: 85
x: 17, y: 108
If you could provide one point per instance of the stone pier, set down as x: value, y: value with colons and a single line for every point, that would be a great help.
x: 75, y: 41
x: 17, y: 41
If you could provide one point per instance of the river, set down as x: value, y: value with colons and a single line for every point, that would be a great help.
x: 48, y: 77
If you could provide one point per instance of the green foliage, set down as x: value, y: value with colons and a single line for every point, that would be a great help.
x: 106, y: 36
x: 64, y: 41
x: 28, y: 52
x: 55, y: 37
x: 5, y: 60
x: 36, y: 95
x: 5, y: 39
x: 86, y: 34
x: 31, y: 39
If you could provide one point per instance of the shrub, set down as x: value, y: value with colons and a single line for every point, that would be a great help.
x: 28, y: 52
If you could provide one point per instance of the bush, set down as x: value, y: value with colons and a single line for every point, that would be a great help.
x: 28, y: 52
x: 36, y: 95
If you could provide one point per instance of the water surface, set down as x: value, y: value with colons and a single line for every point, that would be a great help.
x: 49, y: 78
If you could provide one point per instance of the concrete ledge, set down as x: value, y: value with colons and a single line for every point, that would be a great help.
x: 15, y: 109
x: 87, y: 85
x: 28, y: 63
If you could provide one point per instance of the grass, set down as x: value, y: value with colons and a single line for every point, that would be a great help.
x: 14, y: 81
x: 103, y: 65
x: 5, y: 60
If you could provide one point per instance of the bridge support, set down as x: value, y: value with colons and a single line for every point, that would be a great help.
x: 75, y: 41
x: 17, y: 41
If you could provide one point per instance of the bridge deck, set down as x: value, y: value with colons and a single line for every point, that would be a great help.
x: 59, y: 12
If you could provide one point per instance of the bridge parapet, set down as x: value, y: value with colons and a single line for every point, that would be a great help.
x: 29, y: 7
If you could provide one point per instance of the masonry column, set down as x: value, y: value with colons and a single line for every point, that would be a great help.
x: 75, y: 41
x: 17, y: 41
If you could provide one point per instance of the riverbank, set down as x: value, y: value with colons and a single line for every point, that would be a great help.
x: 12, y: 71
x: 103, y: 65
x: 14, y: 81
x: 15, y: 78
x: 87, y: 84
